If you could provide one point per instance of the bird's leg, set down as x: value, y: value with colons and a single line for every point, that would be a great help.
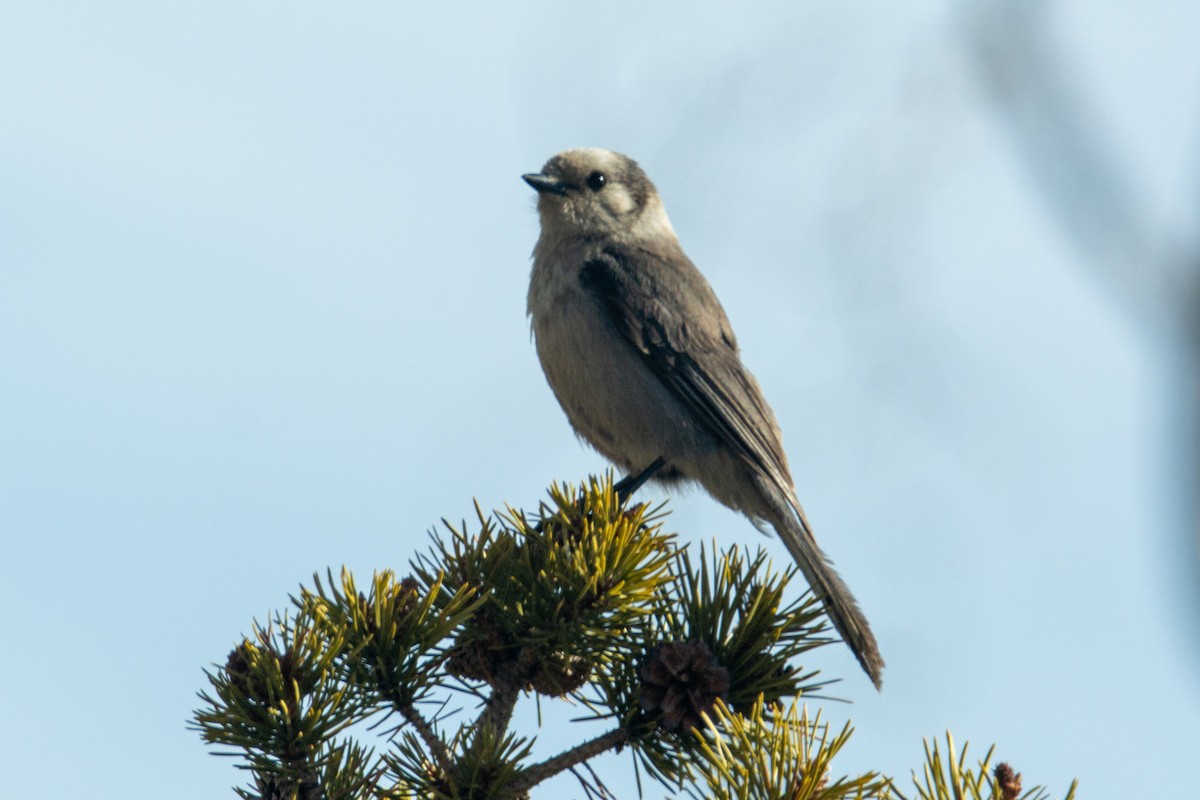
x: 631, y: 483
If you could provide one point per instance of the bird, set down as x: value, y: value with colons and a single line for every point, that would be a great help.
x: 641, y: 356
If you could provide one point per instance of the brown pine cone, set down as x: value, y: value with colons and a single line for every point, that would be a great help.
x: 682, y: 680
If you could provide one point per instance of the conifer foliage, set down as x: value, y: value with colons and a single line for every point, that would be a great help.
x: 691, y: 664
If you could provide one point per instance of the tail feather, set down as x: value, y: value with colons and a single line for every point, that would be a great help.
x: 792, y: 526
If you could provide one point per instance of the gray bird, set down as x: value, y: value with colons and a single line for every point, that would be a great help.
x: 642, y: 359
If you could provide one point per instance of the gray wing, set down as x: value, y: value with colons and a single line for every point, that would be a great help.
x: 670, y: 315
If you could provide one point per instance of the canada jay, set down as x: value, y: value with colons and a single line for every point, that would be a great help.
x: 644, y: 362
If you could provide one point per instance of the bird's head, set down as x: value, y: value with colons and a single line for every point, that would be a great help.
x: 594, y: 192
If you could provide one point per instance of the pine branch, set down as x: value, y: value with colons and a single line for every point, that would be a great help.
x: 591, y: 601
x: 506, y: 690
x: 437, y: 747
x: 537, y: 773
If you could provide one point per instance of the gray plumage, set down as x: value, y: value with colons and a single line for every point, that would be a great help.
x: 642, y: 358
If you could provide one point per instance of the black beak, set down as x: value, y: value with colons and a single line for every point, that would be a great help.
x: 545, y: 183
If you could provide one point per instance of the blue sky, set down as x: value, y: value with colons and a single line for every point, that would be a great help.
x: 262, y: 286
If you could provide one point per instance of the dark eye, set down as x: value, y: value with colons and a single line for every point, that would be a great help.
x: 596, y: 181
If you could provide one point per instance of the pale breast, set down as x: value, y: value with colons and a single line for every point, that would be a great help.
x: 611, y: 397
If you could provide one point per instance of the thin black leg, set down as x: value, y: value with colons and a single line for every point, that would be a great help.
x: 631, y: 483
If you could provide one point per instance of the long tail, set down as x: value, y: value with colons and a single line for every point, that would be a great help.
x: 792, y: 526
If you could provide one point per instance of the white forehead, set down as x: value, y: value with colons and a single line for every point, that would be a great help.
x: 592, y: 157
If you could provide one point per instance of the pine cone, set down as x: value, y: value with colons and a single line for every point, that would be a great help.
x: 1009, y: 780
x: 403, y: 601
x: 681, y: 681
x: 478, y: 650
x: 471, y: 661
x: 239, y: 667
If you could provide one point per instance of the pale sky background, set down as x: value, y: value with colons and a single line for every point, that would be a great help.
x: 262, y: 289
